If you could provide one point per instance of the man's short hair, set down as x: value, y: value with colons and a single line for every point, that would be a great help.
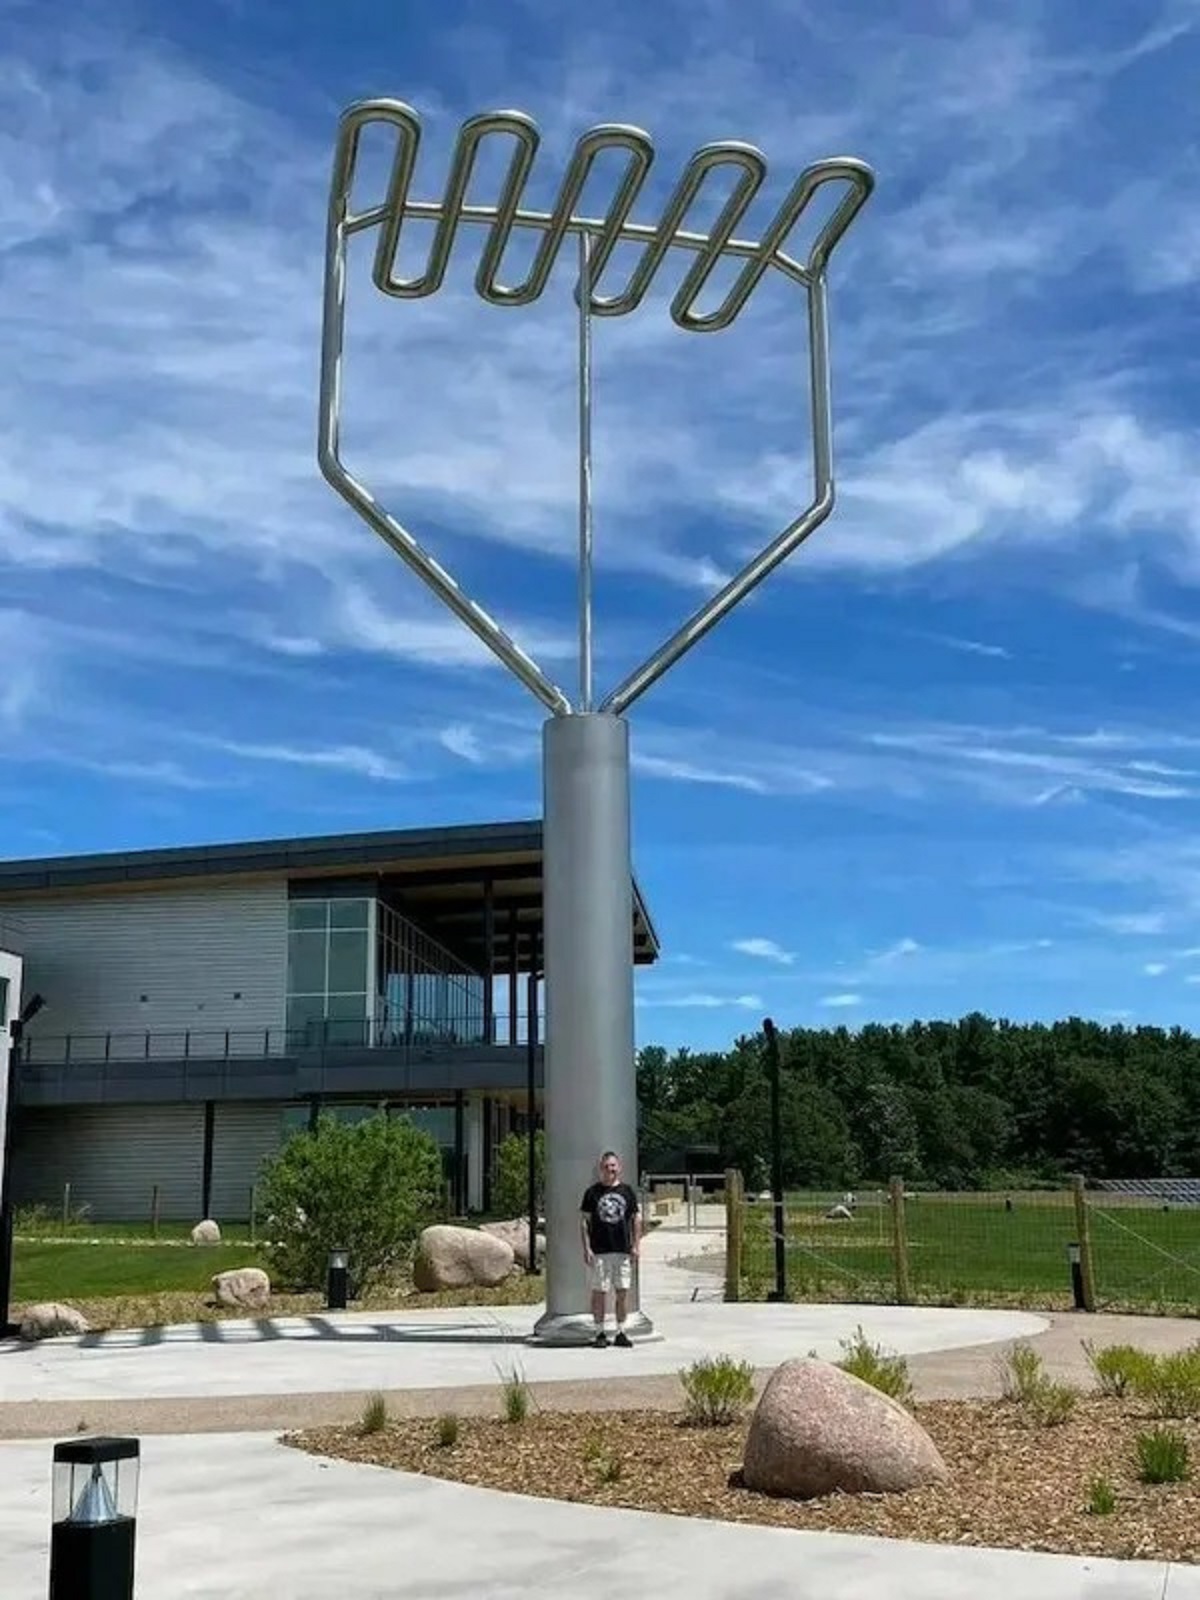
x: 609, y: 1155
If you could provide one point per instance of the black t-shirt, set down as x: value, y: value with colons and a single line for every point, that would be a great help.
x: 610, y: 1212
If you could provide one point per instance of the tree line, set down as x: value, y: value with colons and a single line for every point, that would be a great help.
x: 977, y: 1103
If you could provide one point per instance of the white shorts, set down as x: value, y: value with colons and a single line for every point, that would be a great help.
x: 611, y: 1272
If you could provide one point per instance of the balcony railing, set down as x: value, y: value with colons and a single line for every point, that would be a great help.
x: 232, y: 1044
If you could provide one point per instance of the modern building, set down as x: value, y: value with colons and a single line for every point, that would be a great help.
x: 200, y: 1003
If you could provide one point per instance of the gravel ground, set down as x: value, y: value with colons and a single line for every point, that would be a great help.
x: 1012, y: 1484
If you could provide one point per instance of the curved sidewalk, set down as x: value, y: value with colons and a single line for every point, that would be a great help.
x: 234, y: 1517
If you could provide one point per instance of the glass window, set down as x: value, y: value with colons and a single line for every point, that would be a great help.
x: 349, y: 913
x: 347, y: 963
x: 306, y: 963
x: 307, y: 913
x: 305, y: 1014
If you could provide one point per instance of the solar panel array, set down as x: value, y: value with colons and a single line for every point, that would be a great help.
x: 1183, y: 1191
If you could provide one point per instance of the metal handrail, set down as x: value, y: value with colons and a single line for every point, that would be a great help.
x: 234, y: 1044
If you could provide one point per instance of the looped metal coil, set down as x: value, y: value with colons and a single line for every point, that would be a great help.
x: 615, y: 226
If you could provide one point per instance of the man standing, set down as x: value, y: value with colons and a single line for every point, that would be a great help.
x: 611, y: 1225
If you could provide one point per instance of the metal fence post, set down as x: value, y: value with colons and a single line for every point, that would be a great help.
x: 900, y: 1242
x: 735, y: 1212
x: 1083, y: 1227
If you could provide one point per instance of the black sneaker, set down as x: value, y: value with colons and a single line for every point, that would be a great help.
x: 601, y: 1340
x: 622, y: 1340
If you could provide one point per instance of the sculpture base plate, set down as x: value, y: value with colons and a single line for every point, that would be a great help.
x: 578, y: 1328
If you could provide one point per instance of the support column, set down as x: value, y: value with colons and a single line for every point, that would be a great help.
x: 460, y: 1150
x: 206, y: 1165
x: 590, y: 1087
x: 475, y: 1152
x: 489, y: 962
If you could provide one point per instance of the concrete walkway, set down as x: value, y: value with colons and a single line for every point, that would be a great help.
x: 234, y: 1517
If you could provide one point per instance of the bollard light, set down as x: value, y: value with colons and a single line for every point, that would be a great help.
x: 337, y: 1288
x: 94, y: 1530
x: 1075, y: 1258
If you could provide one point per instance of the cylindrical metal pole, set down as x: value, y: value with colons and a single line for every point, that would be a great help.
x: 585, y: 473
x: 531, y: 1044
x: 590, y: 1086
x: 9, y: 1049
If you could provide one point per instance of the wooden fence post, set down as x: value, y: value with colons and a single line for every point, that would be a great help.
x: 900, y: 1243
x: 1083, y: 1226
x: 735, y: 1216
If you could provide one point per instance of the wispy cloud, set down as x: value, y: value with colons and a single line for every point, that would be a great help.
x: 701, y: 1000
x: 764, y: 950
x: 347, y: 758
x: 842, y: 1002
x: 1154, y: 969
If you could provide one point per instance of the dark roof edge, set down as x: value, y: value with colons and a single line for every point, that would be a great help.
x: 268, y: 855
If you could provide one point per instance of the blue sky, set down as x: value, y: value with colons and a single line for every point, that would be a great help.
x: 947, y: 759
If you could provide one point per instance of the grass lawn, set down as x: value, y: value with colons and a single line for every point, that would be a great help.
x: 146, y: 1285
x: 968, y: 1249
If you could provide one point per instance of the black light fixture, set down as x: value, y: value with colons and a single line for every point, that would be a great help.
x: 16, y: 1032
x: 337, y: 1287
x: 93, y: 1536
x: 1075, y: 1261
x: 780, y: 1290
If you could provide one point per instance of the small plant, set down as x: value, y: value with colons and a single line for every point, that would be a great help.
x: 1051, y: 1404
x: 1120, y: 1368
x: 608, y: 1467
x: 717, y: 1389
x: 1101, y: 1496
x: 447, y: 1431
x: 374, y: 1418
x: 1023, y: 1373
x: 1171, y: 1383
x: 515, y: 1396
x: 866, y: 1361
x: 1162, y: 1455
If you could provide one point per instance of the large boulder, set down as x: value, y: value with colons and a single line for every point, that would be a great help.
x: 49, y: 1320
x: 461, y: 1258
x: 206, y: 1232
x: 817, y: 1430
x: 516, y: 1234
x: 243, y: 1288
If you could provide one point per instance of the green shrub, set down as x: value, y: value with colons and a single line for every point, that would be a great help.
x: 716, y: 1390
x: 1049, y: 1405
x: 367, y: 1187
x: 1162, y: 1455
x: 889, y: 1374
x: 1171, y: 1383
x: 510, y: 1191
x: 515, y: 1396
x: 447, y: 1431
x: 1119, y: 1368
x: 1101, y: 1497
x: 374, y: 1418
x: 607, y: 1467
x: 1023, y: 1373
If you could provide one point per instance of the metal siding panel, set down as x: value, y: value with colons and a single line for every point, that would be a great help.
x: 112, y: 1157
x: 243, y: 1137
x: 189, y: 951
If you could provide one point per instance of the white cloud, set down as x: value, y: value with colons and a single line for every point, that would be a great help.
x: 896, y: 952
x: 841, y: 1001
x: 701, y: 1000
x: 347, y: 758
x: 461, y: 740
x: 764, y: 950
x: 1154, y: 969
x: 1137, y: 923
x: 687, y: 772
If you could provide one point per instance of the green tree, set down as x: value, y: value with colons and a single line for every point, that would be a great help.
x: 367, y: 1187
x: 510, y: 1191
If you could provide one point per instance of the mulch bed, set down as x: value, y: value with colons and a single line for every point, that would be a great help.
x: 1012, y: 1484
